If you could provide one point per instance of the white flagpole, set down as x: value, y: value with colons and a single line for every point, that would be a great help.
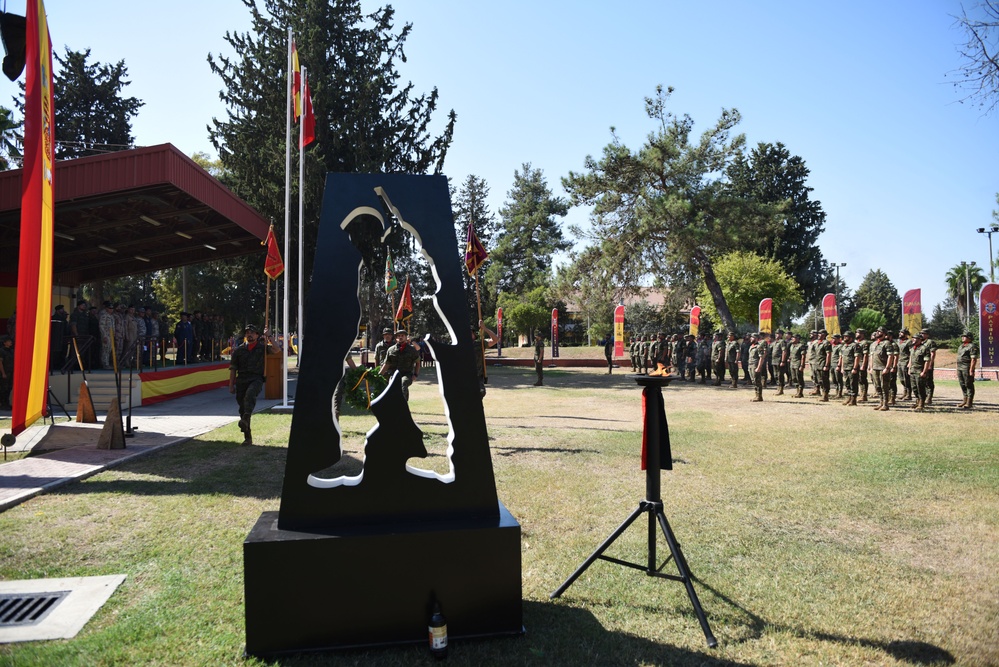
x: 287, y: 220
x: 301, y: 219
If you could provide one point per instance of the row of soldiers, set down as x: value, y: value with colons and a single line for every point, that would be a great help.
x: 845, y: 362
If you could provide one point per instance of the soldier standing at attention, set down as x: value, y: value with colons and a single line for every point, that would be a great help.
x: 904, y: 352
x: 967, y: 360
x: 919, y: 368
x: 383, y: 346
x: 718, y: 358
x: 246, y: 376
x: 757, y: 365
x: 813, y: 337
x: 643, y: 353
x: 733, y: 348
x: 879, y: 360
x: 744, y: 357
x: 889, y: 384
x: 690, y: 356
x: 703, y: 358
x: 633, y: 353
x: 778, y: 361
x: 539, y: 359
x: 823, y: 356
x: 849, y: 365
x: 405, y: 358
x: 835, y: 374
x: 930, y: 386
x: 796, y: 355
x: 864, y: 352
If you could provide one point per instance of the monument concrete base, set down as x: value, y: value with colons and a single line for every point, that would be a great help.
x: 311, y: 592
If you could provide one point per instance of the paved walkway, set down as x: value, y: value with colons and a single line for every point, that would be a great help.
x: 71, y: 449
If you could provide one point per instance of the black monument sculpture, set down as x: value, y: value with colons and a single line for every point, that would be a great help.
x: 656, y: 455
x: 361, y: 560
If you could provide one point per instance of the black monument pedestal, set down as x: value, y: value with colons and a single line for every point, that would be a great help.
x: 310, y: 592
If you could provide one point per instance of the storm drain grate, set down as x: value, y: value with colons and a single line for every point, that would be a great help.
x: 28, y: 609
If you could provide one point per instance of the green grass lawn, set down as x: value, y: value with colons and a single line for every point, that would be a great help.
x: 819, y: 534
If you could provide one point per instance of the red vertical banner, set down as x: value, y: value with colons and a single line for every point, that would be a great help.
x: 499, y: 332
x: 912, y: 311
x: 619, y: 331
x: 830, y: 314
x: 695, y: 320
x: 554, y: 333
x: 988, y: 317
x: 34, y: 274
x: 766, y: 315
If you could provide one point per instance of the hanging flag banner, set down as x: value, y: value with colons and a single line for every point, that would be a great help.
x: 912, y: 311
x: 830, y: 313
x: 307, y: 134
x: 390, y: 282
x: 554, y: 333
x: 405, y: 310
x: 695, y: 321
x: 475, y: 252
x: 619, y: 331
x: 988, y: 318
x: 296, y: 83
x: 766, y: 315
x: 34, y: 273
x: 273, y: 265
x: 499, y: 332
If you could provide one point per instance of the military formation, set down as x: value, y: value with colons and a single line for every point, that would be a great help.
x: 854, y: 367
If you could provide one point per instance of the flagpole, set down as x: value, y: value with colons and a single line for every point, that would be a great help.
x: 287, y: 217
x: 301, y: 224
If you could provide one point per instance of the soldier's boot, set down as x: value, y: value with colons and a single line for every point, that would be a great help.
x: 964, y: 404
x: 244, y: 425
x: 758, y: 396
x: 891, y: 397
x: 800, y: 393
x: 919, y: 405
x: 883, y: 405
x: 825, y: 395
x: 863, y: 396
x: 847, y: 401
x: 971, y: 400
x: 929, y: 398
x: 853, y: 401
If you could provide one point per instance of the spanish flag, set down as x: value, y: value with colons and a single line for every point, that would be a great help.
x: 273, y: 265
x: 34, y: 274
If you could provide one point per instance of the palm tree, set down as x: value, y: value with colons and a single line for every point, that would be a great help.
x: 958, y: 279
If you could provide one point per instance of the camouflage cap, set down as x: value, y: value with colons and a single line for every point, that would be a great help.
x: 847, y: 334
x: 925, y: 333
x: 905, y: 332
x: 386, y: 330
x: 861, y: 331
x: 248, y: 327
x: 823, y: 332
x: 836, y: 335
x: 967, y: 334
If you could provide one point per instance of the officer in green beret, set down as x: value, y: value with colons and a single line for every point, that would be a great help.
x: 967, y: 360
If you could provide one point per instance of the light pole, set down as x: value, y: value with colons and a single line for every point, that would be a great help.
x: 967, y: 292
x: 836, y: 266
x: 992, y: 260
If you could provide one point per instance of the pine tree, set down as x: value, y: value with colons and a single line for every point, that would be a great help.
x: 469, y: 205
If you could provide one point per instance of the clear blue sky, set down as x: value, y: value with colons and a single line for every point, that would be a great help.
x: 858, y: 89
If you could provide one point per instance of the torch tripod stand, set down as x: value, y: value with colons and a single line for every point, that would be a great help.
x: 653, y: 506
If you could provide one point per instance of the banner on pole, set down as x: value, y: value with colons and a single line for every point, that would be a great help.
x: 695, y: 321
x: 273, y: 264
x: 554, y: 333
x: 912, y: 311
x: 619, y: 331
x: 34, y: 273
x: 405, y: 310
x: 830, y: 313
x: 766, y: 315
x: 475, y: 252
x: 988, y: 318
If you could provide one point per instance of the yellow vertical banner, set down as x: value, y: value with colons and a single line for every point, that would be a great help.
x: 830, y: 314
x: 34, y: 273
x: 766, y: 315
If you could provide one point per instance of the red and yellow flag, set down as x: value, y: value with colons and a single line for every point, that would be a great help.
x: 308, y: 131
x: 766, y: 315
x: 695, y: 321
x: 34, y: 274
x: 475, y: 252
x: 296, y: 83
x: 405, y: 310
x: 912, y: 311
x: 830, y: 314
x: 273, y: 264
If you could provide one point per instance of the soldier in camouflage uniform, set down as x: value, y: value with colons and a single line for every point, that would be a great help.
x: 967, y: 360
x: 797, y: 354
x: 633, y: 352
x: 889, y: 377
x: 930, y: 386
x: 757, y: 364
x: 904, y: 352
x: 744, y: 357
x: 778, y: 361
x: 879, y: 360
x: 690, y: 356
x: 823, y: 356
x: 849, y: 365
x: 382, y: 348
x: 246, y: 376
x: 813, y: 363
x: 643, y: 352
x: 835, y: 374
x: 919, y: 367
x: 405, y: 358
x: 718, y: 358
x: 864, y: 352
x: 733, y: 350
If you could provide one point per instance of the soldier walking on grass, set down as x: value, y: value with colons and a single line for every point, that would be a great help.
x: 539, y: 359
x: 246, y: 376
